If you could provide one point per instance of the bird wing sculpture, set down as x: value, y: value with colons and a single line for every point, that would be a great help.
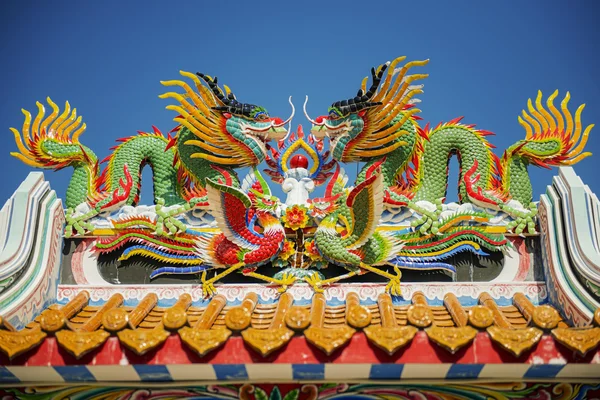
x: 357, y: 245
x: 251, y: 233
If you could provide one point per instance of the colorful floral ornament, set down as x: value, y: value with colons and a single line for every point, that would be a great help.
x: 288, y: 250
x: 296, y: 217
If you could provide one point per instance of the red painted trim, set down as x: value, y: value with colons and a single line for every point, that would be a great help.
x: 77, y: 262
x: 524, y: 259
x: 299, y: 351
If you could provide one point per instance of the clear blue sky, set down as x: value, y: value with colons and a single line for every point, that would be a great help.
x: 107, y: 58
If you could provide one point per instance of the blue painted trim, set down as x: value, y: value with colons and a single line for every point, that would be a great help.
x: 153, y: 373
x: 228, y: 372
x: 464, y: 371
x: 75, y: 373
x: 386, y: 371
x: 308, y: 371
x: 7, y: 377
x: 543, y: 371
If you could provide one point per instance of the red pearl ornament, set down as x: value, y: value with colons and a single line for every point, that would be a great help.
x: 299, y: 161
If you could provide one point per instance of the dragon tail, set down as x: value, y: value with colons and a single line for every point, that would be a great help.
x: 553, y: 138
x: 53, y: 143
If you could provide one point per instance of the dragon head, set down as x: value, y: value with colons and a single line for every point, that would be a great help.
x: 226, y: 131
x: 369, y: 124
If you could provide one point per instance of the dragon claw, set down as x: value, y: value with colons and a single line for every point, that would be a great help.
x: 208, y: 288
x: 523, y: 221
x: 428, y: 222
x: 166, y: 222
x: 77, y: 224
x: 393, y: 286
x: 315, y: 282
x: 285, y: 282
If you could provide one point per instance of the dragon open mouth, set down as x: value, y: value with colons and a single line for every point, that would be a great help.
x: 273, y: 131
x: 262, y: 137
x: 334, y: 133
x: 321, y: 127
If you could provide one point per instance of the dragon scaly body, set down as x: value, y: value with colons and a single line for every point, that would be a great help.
x: 380, y: 125
x: 215, y: 135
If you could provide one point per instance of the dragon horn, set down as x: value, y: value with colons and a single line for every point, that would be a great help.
x: 306, y: 113
x: 212, y: 84
x: 291, y: 116
x: 376, y: 81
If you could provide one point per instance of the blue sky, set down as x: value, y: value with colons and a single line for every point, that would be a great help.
x: 107, y: 58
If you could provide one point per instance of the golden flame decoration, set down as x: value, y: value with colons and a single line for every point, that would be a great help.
x: 541, y: 124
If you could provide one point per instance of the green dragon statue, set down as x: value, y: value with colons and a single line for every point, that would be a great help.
x: 380, y: 125
x: 215, y: 135
x: 406, y: 166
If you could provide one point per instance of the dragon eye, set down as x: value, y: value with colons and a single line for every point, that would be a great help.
x: 334, y: 114
x: 261, y: 116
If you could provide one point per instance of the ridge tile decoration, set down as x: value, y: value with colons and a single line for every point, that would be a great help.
x: 375, y: 279
x: 269, y: 328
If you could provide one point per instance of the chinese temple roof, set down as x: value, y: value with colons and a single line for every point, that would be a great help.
x: 255, y: 333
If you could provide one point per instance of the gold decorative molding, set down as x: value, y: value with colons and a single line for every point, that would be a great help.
x: 451, y: 338
x: 141, y: 341
x: 515, y: 341
x: 389, y: 336
x: 326, y: 339
x: 596, y: 319
x: 545, y: 317
x: 81, y: 343
x: 329, y: 339
x: 580, y: 340
x: 499, y: 318
x: 94, y: 322
x: 481, y: 317
x: 298, y: 318
x: 524, y: 305
x: 357, y: 316
x: 15, y: 343
x: 390, y: 339
x: 266, y: 341
x: 115, y: 319
x: 76, y: 304
x: 456, y: 310
x: 420, y: 315
x: 143, y: 308
x: 174, y: 318
x: 201, y: 338
x: 238, y: 318
x: 205, y: 340
x: 4, y: 324
x: 52, y: 320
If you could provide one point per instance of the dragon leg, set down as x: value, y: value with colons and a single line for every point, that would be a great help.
x: 317, y: 283
x: 284, y: 283
x: 167, y: 223
x: 496, y: 200
x: 208, y: 288
x: 393, y: 286
x: 429, y: 220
